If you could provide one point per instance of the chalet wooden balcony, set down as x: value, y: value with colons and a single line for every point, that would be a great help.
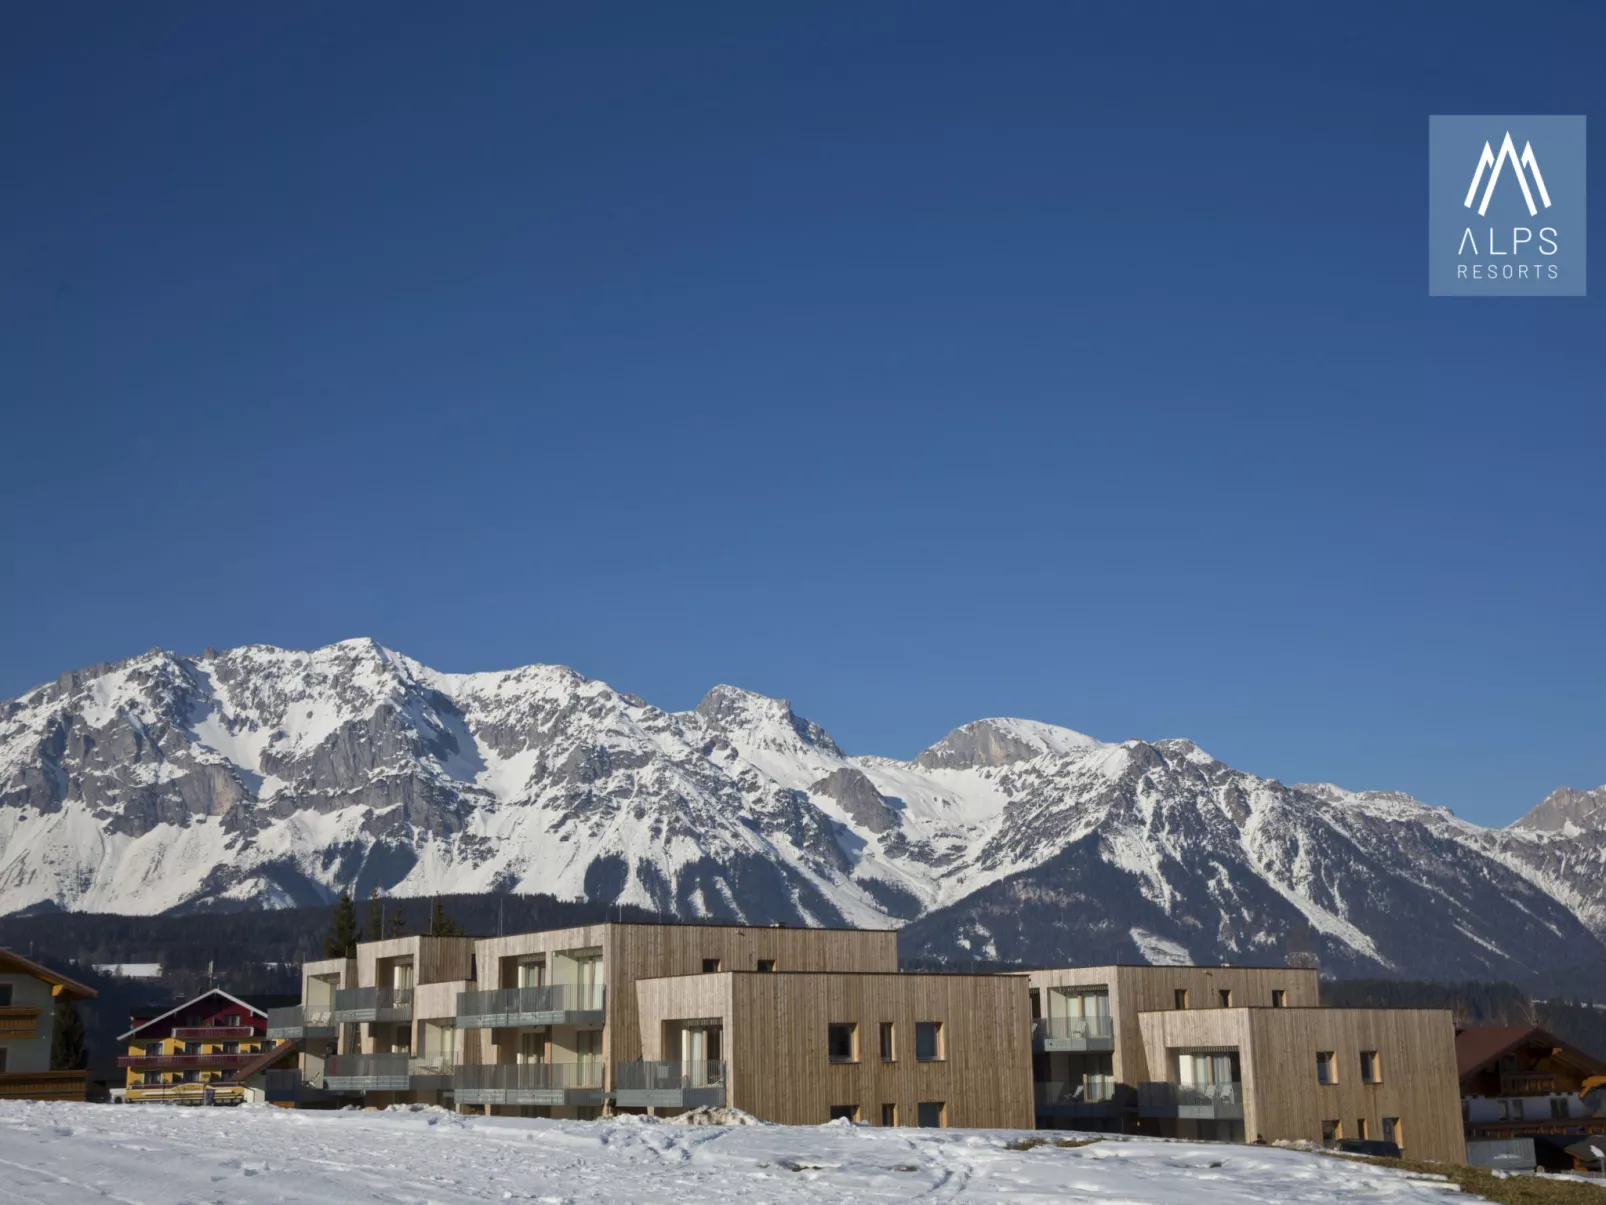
x: 362, y: 1004
x: 1074, y: 1035
x: 18, y: 1023
x: 1090, y: 1096
x: 1527, y: 1083
x: 301, y: 1021
x: 529, y: 1084
x: 516, y: 1007
x: 43, y: 1085
x: 213, y: 1033
x: 669, y: 1085
x: 1199, y: 1102
x: 181, y: 1062
x: 395, y: 1072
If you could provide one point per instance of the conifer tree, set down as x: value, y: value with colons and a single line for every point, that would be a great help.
x: 67, y: 1050
x: 343, y: 936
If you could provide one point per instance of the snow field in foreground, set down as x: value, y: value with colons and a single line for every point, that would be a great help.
x: 51, y: 1154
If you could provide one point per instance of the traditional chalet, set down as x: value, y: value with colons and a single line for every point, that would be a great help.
x: 1524, y: 1082
x: 191, y: 1054
x: 30, y: 996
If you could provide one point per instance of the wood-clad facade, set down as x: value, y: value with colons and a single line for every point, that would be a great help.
x: 802, y: 1048
x: 1325, y: 1074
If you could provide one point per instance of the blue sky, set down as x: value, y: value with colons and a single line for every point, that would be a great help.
x: 915, y: 361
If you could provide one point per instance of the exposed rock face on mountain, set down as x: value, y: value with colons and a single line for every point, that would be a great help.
x: 262, y: 777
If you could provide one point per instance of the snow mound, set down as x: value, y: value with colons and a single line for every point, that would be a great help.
x: 714, y: 1115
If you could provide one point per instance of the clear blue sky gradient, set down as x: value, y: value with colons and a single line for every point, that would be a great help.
x: 915, y: 361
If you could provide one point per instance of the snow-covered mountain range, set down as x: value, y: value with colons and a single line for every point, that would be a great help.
x: 264, y: 777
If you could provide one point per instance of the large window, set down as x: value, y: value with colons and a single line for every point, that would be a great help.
x: 928, y: 1042
x: 842, y: 1042
x: 1326, y: 1067
x: 933, y: 1114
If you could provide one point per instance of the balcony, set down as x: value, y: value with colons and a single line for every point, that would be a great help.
x: 1527, y: 1083
x: 1072, y: 1035
x: 293, y: 1087
x: 529, y: 1084
x: 213, y: 1033
x: 19, y: 1023
x: 178, y: 1062
x: 302, y: 1021
x: 516, y: 1007
x: 1197, y: 1102
x: 1090, y: 1096
x: 669, y: 1085
x: 359, y: 1004
x: 397, y: 1072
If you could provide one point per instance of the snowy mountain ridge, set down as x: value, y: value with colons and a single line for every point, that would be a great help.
x: 265, y: 777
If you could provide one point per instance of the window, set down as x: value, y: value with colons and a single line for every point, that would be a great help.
x: 845, y: 1113
x: 1332, y: 1131
x: 889, y: 1048
x: 192, y: 1077
x: 889, y: 1115
x: 933, y: 1114
x: 1558, y: 1106
x: 5, y: 995
x: 842, y: 1042
x: 1279, y: 998
x: 711, y: 966
x: 1361, y: 1130
x: 232, y: 1020
x: 231, y: 1048
x: 1393, y: 1133
x: 766, y: 966
x: 1182, y: 997
x: 4, y: 1054
x: 152, y: 1049
x: 928, y: 1042
x: 532, y: 974
x: 1225, y: 997
x: 1326, y: 1068
x: 1371, y: 1067
x: 1518, y: 1112
x: 192, y: 1048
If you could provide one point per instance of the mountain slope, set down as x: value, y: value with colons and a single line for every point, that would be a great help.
x: 264, y: 777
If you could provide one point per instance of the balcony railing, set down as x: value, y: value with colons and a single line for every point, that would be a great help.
x: 670, y: 1085
x: 213, y: 1033
x: 513, y: 1007
x: 291, y: 1086
x: 155, y: 1062
x: 1073, y: 1033
x: 1197, y: 1101
x: 529, y: 1083
x: 395, y: 1072
x: 18, y: 1022
x: 302, y: 1021
x: 1090, y: 1096
x: 359, y: 1004
x: 1527, y: 1083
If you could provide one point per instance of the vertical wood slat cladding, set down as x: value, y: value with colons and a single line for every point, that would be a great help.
x: 1138, y: 989
x: 632, y: 952
x: 779, y: 1068
x: 1277, y: 1051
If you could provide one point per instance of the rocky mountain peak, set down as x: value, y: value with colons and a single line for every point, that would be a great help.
x: 998, y: 742
x: 730, y: 710
x: 1567, y: 809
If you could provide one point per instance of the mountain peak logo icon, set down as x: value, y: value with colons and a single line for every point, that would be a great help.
x: 1508, y: 150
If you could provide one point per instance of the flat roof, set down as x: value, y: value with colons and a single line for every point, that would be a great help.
x: 798, y: 974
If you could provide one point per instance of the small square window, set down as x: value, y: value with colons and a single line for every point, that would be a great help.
x: 928, y: 1042
x: 1279, y: 998
x: 933, y: 1114
x: 1332, y: 1131
x: 711, y: 966
x: 845, y: 1113
x: 1326, y: 1067
x: 889, y: 1047
x: 1182, y: 997
x: 842, y: 1042
x: 1371, y: 1067
x: 1225, y: 997
x: 889, y: 1115
x: 766, y: 966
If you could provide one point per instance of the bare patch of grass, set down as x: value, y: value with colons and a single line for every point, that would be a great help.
x: 1503, y: 1190
x: 1031, y: 1144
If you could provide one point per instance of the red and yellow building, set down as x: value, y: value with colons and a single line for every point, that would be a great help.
x: 193, y: 1053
